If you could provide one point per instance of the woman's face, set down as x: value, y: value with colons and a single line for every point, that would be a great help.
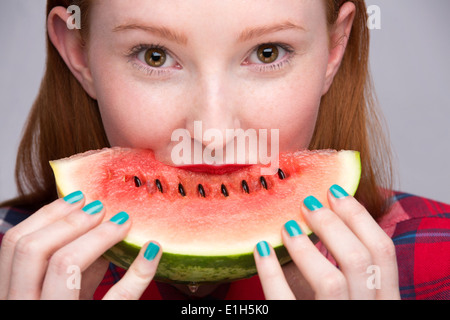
x: 159, y: 65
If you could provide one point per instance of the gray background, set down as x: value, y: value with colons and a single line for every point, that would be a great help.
x: 410, y: 66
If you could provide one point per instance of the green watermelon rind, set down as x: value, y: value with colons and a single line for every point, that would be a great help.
x: 176, y: 268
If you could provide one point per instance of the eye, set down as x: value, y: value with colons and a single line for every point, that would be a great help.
x: 268, y: 53
x: 156, y: 57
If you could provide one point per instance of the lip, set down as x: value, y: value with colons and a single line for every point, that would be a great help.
x: 218, y: 170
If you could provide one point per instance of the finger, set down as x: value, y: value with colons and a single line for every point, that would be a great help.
x: 33, y: 250
x: 43, y: 217
x: 81, y: 253
x: 270, y: 273
x: 379, y: 244
x: 352, y: 256
x: 326, y: 280
x: 138, y: 276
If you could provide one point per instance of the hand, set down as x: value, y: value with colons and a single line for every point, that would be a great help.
x: 352, y: 237
x: 39, y: 255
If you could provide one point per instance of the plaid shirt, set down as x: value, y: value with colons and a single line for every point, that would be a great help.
x: 419, y: 227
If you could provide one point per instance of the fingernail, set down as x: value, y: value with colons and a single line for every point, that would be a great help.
x: 338, y: 192
x: 312, y: 203
x: 151, y: 251
x: 293, y: 228
x: 263, y: 248
x: 93, y: 207
x: 74, y: 197
x: 120, y: 218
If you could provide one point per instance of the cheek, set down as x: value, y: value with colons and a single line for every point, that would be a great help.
x: 136, y: 116
x: 290, y: 105
x: 300, y: 105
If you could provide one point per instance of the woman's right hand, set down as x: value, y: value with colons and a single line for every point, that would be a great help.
x: 41, y: 256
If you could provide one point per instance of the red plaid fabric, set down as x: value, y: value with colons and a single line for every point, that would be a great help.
x: 419, y: 228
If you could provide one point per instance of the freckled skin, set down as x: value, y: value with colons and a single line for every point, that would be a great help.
x: 213, y: 78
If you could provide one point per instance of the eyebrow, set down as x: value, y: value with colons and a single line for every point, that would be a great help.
x: 160, y: 31
x: 180, y: 38
x: 256, y: 32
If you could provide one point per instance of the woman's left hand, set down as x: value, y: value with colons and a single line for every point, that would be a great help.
x: 364, y: 253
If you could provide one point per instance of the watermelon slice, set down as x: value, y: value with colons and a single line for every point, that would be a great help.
x: 207, y: 224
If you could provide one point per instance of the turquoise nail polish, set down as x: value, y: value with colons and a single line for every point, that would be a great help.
x: 120, y: 218
x: 74, y: 197
x: 93, y: 207
x: 338, y: 192
x: 293, y: 228
x: 263, y: 248
x: 151, y: 251
x: 312, y: 203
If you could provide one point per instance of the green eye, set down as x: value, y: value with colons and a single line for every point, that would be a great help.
x: 268, y: 53
x: 155, y: 57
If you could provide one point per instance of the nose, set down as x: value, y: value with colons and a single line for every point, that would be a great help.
x: 215, y: 110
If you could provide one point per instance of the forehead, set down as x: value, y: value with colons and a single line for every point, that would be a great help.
x: 209, y: 17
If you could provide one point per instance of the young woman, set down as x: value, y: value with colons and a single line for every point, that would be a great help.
x: 136, y: 71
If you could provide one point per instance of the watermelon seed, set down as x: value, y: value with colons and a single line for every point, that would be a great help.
x: 137, y: 182
x: 281, y: 174
x: 263, y: 182
x: 181, y: 190
x: 224, y: 190
x: 159, y: 185
x: 201, y: 190
x: 245, y: 186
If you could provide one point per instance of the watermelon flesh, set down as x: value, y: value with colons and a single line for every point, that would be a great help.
x: 207, y: 224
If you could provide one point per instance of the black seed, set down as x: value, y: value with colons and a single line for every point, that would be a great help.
x: 281, y: 174
x: 263, y: 182
x: 181, y: 190
x: 224, y: 190
x: 201, y: 190
x: 159, y: 185
x: 245, y: 186
x: 137, y: 182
